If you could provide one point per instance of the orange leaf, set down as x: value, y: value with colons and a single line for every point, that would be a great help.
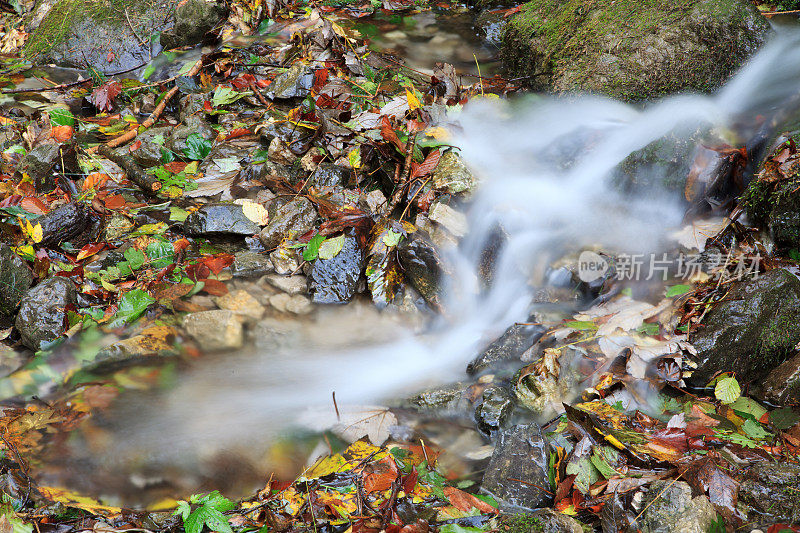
x: 238, y: 132
x: 427, y: 166
x: 214, y: 287
x: 465, y: 502
x: 218, y: 262
x: 33, y: 205
x: 115, y: 201
x: 175, y: 167
x: 89, y: 250
x: 180, y: 244
x: 390, y: 135
x: 62, y: 133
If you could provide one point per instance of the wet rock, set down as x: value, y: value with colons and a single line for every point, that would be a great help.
x: 327, y: 175
x: 335, y: 280
x: 294, y: 83
x: 450, y: 398
x: 108, y: 36
x: 782, y: 385
x: 452, y: 175
x: 423, y: 267
x: 280, y: 152
x: 289, y: 284
x: 752, y: 331
x: 15, y: 280
x: 191, y: 108
x: 39, y: 163
x: 519, y: 467
x: 220, y: 219
x: 193, y: 19
x: 215, y: 330
x: 64, y: 223
x: 291, y: 219
x: 670, y: 508
x: 772, y: 490
x: 287, y: 261
x: 154, y: 341
x: 248, y: 264
x: 272, y: 171
x: 491, y: 25
x: 631, y: 51
x: 43, y: 310
x: 511, y: 345
x: 149, y: 152
x: 494, y: 410
x: 776, y: 207
x: 453, y: 221
x: 375, y: 201
x: 241, y: 303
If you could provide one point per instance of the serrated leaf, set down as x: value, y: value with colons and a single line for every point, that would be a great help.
x: 755, y: 430
x: 331, y: 247
x: 392, y: 238
x: 727, y: 390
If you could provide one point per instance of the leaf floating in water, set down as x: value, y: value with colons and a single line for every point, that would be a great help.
x: 353, y: 422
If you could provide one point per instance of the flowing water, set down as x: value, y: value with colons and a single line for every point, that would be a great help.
x: 546, y: 166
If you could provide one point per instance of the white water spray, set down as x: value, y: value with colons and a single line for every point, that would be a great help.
x: 545, y: 166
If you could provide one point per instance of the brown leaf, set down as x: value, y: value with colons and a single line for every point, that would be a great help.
x: 214, y: 287
x: 103, y: 97
x: 466, y: 502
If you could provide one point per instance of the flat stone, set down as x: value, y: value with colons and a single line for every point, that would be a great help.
x: 286, y: 260
x: 452, y: 220
x: 289, y: 284
x: 272, y: 334
x: 299, y: 305
x: 215, y: 330
x: 670, y: 508
x: 280, y: 301
x: 241, y: 303
x: 249, y: 264
x: 220, y: 219
x: 290, y: 220
x: 335, y: 280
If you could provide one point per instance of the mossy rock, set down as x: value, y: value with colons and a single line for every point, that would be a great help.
x: 116, y: 35
x: 631, y: 49
x: 751, y: 331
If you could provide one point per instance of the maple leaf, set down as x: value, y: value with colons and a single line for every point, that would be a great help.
x: 103, y: 97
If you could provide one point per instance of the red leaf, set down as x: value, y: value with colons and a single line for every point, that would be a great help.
x: 115, y: 201
x: 175, y: 167
x: 61, y: 133
x: 197, y: 271
x: 218, y: 262
x: 89, y: 250
x: 207, y: 106
x: 135, y: 146
x: 110, y: 57
x: 180, y: 244
x: 103, y: 97
x: 238, y: 132
x: 427, y: 166
x: 379, y: 476
x: 390, y: 135
x: 33, y: 205
x: 320, y: 79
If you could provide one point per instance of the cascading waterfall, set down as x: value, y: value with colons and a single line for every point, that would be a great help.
x: 545, y: 165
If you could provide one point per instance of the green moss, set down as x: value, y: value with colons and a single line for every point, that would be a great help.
x: 757, y: 201
x: 56, y: 26
x: 523, y: 523
x: 593, y: 45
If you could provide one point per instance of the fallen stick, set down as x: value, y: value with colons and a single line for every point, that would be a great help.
x: 134, y: 131
x: 147, y: 183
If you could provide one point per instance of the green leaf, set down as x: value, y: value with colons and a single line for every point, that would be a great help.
x: 198, y: 147
x: 727, y: 390
x: 649, y: 328
x: 207, y: 516
x: 783, y: 418
x: 217, y: 501
x: 585, y: 472
x: 677, y: 290
x: 748, y: 406
x: 392, y: 238
x: 226, y: 95
x: 183, y: 509
x: 131, y: 306
x: 755, y: 430
x: 176, y: 214
x: 148, y: 71
x: 62, y: 117
x: 161, y: 254
x: 330, y: 248
x: 135, y: 258
x: 580, y: 325
x: 312, y: 248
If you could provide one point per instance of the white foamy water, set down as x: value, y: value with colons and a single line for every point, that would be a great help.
x: 544, y: 165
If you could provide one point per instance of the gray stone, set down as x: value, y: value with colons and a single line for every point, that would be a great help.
x: 38, y: 163
x: 177, y: 142
x: 773, y: 491
x: 752, y: 330
x: 631, y: 51
x: 249, y: 264
x: 423, y: 267
x: 291, y: 220
x: 43, y: 311
x: 541, y: 521
x: 149, y: 152
x: 509, y: 346
x: 286, y: 260
x: 289, y: 284
x: 327, y: 175
x: 518, y: 468
x: 450, y: 398
x: 215, y: 330
x: 220, y: 219
x: 495, y: 409
x: 193, y: 19
x: 782, y: 385
x: 670, y: 508
x: 453, y: 221
x: 15, y: 280
x: 296, y: 82
x: 452, y: 175
x: 273, y: 334
x: 335, y: 280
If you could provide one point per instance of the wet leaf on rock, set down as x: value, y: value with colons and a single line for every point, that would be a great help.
x: 131, y: 306
x: 197, y: 147
x: 330, y: 248
x: 384, y: 275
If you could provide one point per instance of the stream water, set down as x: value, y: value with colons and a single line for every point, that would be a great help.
x: 546, y: 166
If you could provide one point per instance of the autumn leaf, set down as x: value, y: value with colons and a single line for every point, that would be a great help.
x: 103, y: 97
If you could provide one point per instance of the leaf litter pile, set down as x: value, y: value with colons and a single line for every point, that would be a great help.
x: 105, y: 182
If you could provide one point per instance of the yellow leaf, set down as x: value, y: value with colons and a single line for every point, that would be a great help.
x: 413, y: 101
x: 25, y: 251
x: 325, y: 466
x: 354, y: 157
x: 255, y: 212
x: 77, y: 501
x: 36, y: 233
x: 439, y: 133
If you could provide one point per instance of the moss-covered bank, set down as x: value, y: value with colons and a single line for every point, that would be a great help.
x: 631, y: 49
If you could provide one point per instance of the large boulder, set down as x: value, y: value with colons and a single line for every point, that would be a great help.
x: 632, y: 50
x: 15, y: 280
x: 518, y: 468
x: 116, y: 35
x: 752, y: 330
x: 43, y: 311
